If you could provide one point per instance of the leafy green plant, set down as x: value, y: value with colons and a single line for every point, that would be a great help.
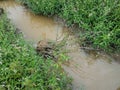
x: 21, y: 68
x: 99, y: 20
x: 44, y: 7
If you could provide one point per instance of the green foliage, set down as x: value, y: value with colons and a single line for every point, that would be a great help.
x: 100, y: 19
x: 44, y: 7
x: 21, y: 68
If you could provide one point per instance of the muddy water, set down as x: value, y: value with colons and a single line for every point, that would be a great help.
x: 90, y: 71
x: 33, y: 27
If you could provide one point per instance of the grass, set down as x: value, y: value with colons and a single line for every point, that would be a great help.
x: 99, y: 19
x: 43, y: 7
x: 21, y: 68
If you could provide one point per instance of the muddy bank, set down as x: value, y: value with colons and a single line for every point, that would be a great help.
x: 90, y: 71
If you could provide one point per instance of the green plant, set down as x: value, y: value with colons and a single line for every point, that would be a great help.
x: 44, y: 7
x: 100, y: 21
x: 21, y: 68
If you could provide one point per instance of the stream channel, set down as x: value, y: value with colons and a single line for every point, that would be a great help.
x: 90, y: 71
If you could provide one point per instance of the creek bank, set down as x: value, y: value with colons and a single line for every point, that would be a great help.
x: 73, y: 31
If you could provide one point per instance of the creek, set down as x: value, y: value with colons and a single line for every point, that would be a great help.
x: 89, y: 70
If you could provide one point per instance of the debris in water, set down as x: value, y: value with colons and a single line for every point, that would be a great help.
x: 1, y: 11
x: 44, y: 48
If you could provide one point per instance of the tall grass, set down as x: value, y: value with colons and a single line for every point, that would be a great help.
x: 100, y: 19
x: 21, y: 68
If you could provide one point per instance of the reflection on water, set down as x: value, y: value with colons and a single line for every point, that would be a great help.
x: 88, y: 71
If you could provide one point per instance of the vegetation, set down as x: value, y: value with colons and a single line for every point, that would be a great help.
x: 99, y: 19
x: 44, y: 7
x: 21, y: 68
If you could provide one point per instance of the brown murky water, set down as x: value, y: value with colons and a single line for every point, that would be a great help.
x: 89, y: 71
x: 34, y: 27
